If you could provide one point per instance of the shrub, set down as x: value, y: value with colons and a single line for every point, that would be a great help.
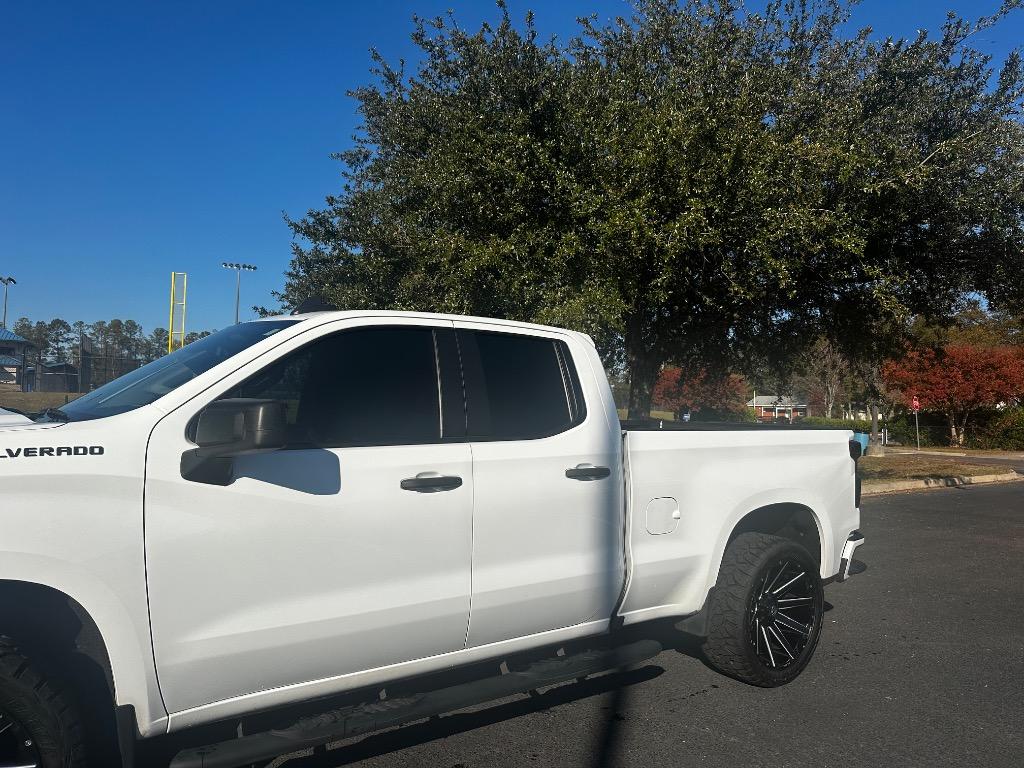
x: 714, y: 414
x: 989, y: 428
x: 859, y: 425
x: 1003, y: 432
x: 934, y: 428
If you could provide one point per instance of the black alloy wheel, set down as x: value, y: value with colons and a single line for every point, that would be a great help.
x: 764, y: 615
x: 17, y: 747
x: 782, y: 614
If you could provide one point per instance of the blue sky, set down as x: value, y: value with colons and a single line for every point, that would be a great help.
x: 140, y: 137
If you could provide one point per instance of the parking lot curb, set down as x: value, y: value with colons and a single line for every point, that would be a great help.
x: 952, y: 481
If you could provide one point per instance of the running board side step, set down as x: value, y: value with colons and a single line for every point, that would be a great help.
x: 345, y: 722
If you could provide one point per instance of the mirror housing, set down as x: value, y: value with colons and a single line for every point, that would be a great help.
x: 240, y: 425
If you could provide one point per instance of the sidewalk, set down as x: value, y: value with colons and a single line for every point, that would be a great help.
x: 876, y: 487
x: 1003, y: 459
x: 977, y: 453
x: 903, y: 471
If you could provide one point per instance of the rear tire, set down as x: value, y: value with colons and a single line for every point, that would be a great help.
x: 40, y: 723
x: 765, y: 613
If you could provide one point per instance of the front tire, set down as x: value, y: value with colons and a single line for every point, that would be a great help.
x: 39, y: 725
x: 765, y: 613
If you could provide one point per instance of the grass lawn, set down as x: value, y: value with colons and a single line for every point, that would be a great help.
x: 33, y: 401
x: 905, y: 467
x: 968, y: 452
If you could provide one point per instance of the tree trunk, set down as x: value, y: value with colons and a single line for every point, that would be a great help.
x: 962, y: 430
x: 831, y: 395
x: 875, y: 446
x: 643, y: 374
x: 952, y: 429
x: 643, y: 366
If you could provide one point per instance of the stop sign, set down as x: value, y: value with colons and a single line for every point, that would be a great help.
x: 915, y: 404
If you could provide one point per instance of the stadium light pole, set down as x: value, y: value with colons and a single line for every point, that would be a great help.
x: 7, y: 281
x: 239, y: 268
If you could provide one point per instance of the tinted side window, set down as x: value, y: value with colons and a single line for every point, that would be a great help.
x: 515, y: 386
x: 367, y: 386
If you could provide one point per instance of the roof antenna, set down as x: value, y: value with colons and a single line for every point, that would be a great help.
x: 315, y: 303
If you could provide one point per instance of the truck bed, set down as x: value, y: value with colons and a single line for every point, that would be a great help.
x: 689, y: 484
x: 654, y: 425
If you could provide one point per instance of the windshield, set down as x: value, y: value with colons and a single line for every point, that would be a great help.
x: 150, y: 382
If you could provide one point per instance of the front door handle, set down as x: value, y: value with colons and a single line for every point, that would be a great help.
x: 431, y: 482
x: 587, y: 472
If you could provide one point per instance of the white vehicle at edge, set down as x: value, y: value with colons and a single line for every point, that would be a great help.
x: 303, y: 506
x: 8, y: 418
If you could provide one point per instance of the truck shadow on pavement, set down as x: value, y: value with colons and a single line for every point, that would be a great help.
x: 423, y: 732
x: 444, y: 726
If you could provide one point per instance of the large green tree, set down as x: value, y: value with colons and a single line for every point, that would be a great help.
x: 699, y: 184
x: 50, y: 339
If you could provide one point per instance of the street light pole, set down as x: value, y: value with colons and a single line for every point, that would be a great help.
x: 238, y: 280
x: 7, y: 281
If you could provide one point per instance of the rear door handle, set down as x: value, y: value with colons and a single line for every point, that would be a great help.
x: 431, y: 482
x: 587, y: 472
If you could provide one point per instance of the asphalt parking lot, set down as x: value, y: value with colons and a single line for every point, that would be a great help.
x: 921, y: 663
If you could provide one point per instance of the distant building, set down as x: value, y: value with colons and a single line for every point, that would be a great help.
x: 12, y: 359
x: 54, y: 377
x: 775, y: 407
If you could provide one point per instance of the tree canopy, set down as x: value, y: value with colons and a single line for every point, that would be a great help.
x: 699, y: 184
x: 958, y: 380
x: 707, y: 397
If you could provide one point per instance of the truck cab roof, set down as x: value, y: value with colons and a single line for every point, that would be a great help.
x: 325, y: 316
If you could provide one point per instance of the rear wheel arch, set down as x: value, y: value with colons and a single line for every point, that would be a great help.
x: 789, y: 520
x: 794, y: 521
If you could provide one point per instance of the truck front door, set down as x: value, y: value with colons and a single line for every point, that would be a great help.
x: 312, y: 562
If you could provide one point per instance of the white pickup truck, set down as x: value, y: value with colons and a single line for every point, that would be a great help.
x: 302, y: 507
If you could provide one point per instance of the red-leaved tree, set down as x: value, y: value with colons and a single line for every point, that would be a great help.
x: 958, y: 380
x: 720, y: 396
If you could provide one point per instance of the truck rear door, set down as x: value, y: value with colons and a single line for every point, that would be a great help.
x: 547, y: 512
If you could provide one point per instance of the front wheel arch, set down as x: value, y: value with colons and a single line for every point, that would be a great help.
x: 55, y: 631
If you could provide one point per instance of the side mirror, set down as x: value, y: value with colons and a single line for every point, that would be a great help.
x: 240, y: 425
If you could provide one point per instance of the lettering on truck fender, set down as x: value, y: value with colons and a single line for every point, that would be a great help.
x: 47, y: 450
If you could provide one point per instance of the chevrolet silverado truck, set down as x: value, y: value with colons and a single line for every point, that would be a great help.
x: 334, y: 504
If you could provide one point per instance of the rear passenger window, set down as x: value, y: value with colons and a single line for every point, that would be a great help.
x: 367, y: 386
x: 517, y: 387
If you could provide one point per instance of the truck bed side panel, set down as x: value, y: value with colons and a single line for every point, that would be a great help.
x: 714, y: 479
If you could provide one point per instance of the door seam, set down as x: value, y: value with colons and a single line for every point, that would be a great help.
x: 472, y: 542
